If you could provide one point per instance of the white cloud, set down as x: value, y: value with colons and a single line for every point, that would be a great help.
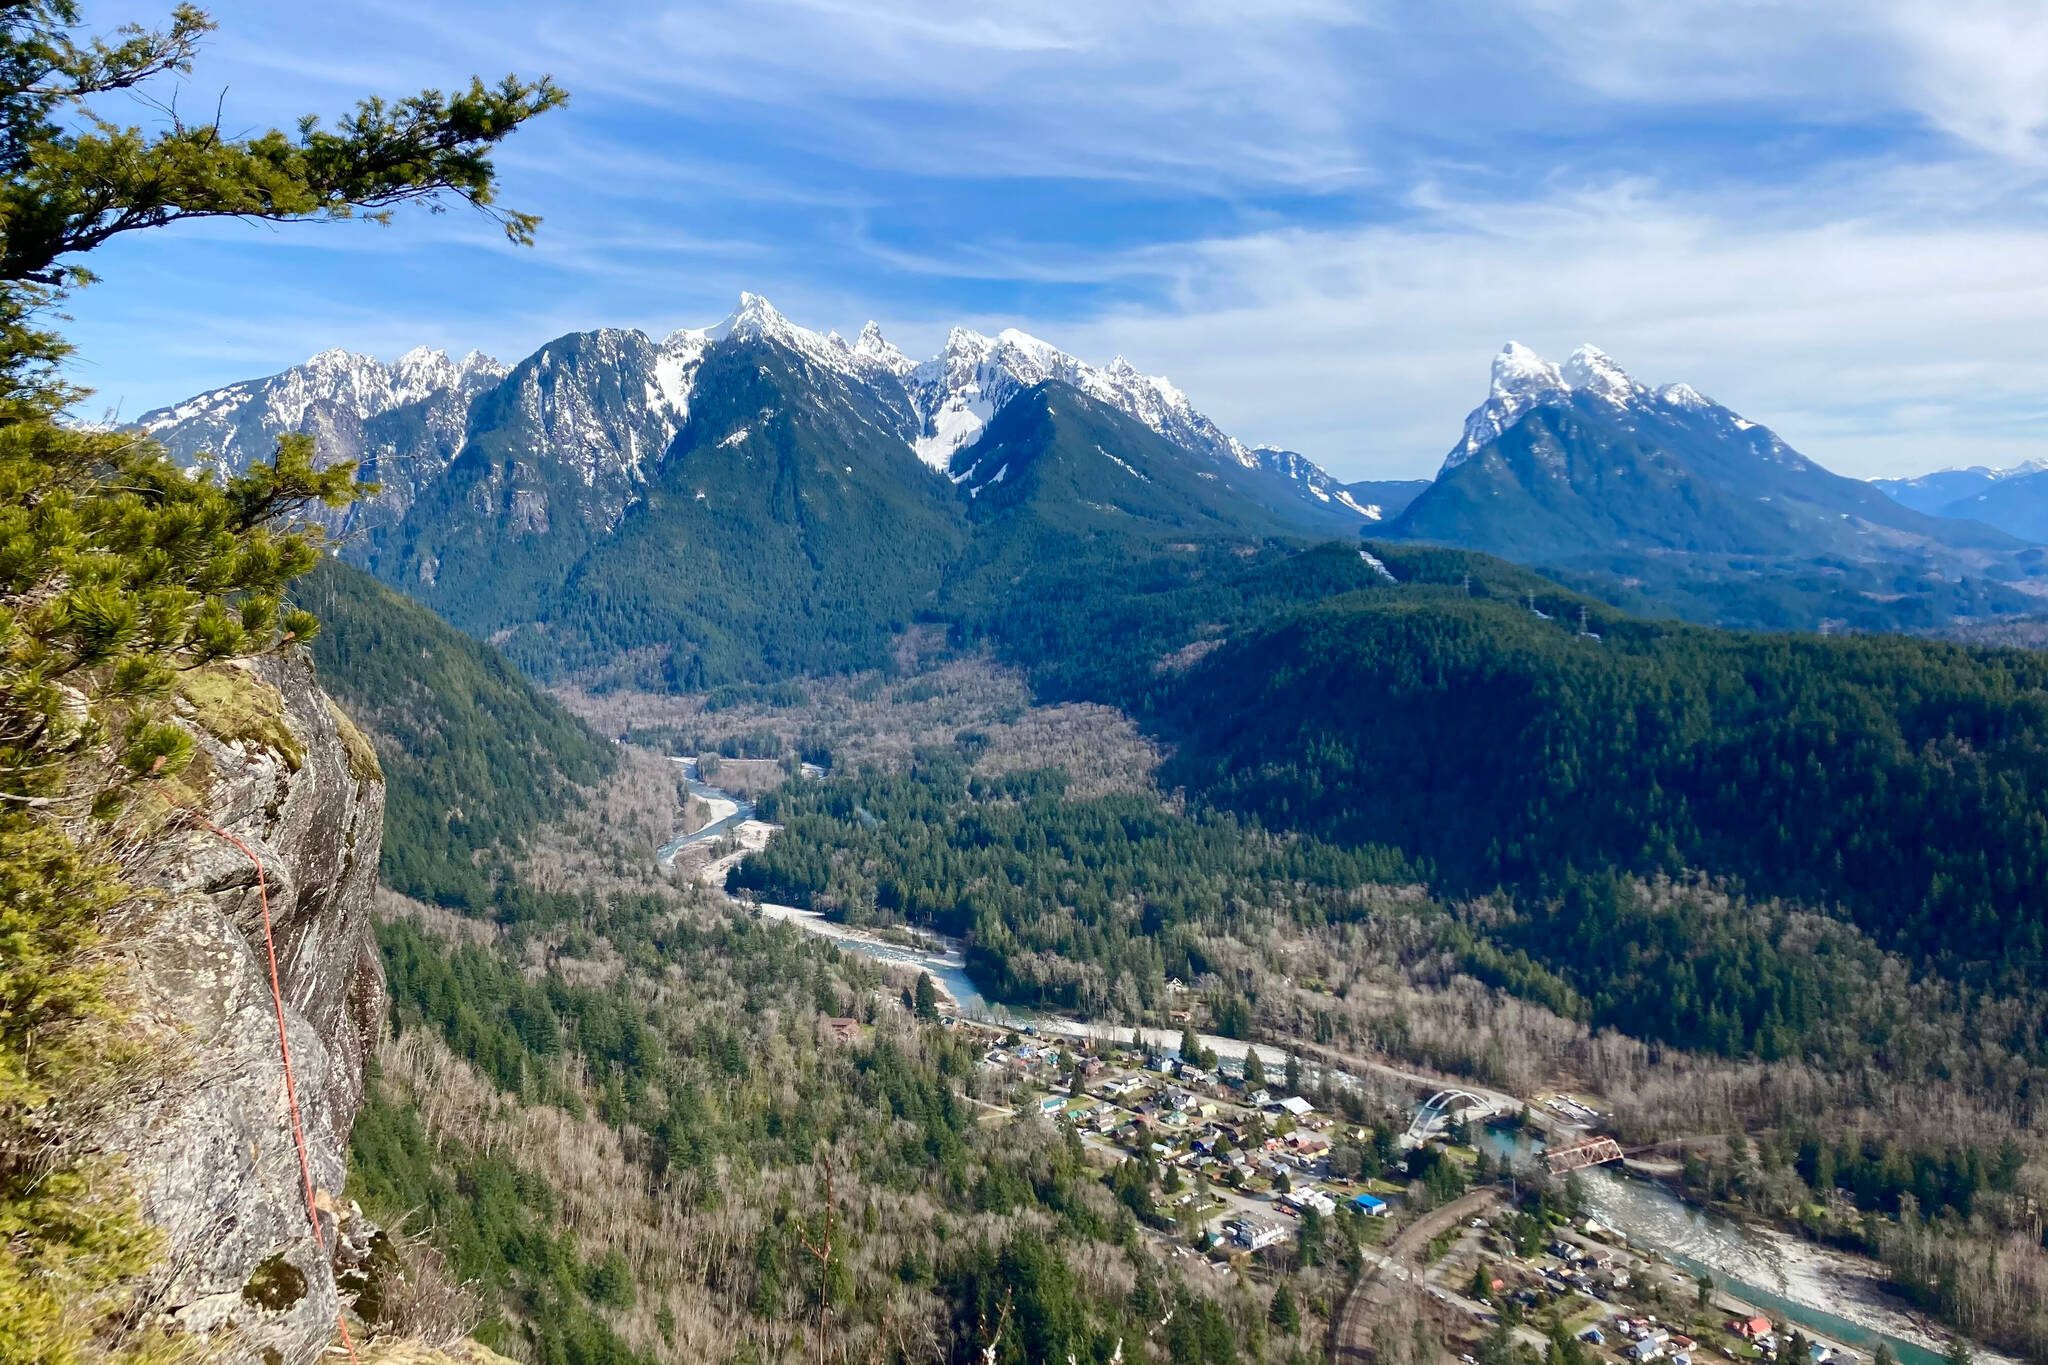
x: 1376, y: 196
x: 1976, y: 70
x: 1979, y: 69
x: 1876, y: 347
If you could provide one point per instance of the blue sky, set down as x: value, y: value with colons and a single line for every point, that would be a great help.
x: 1320, y: 219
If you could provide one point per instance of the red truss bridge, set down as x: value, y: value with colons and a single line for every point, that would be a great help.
x: 1576, y: 1156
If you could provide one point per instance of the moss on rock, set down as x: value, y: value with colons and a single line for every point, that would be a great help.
x: 363, y: 765
x: 236, y: 705
x: 276, y: 1284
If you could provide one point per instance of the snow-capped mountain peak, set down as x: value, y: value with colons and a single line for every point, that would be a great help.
x: 752, y: 318
x: 964, y: 341
x: 607, y: 402
x: 334, y: 381
x: 872, y: 348
x: 1043, y: 354
x: 1521, y: 380
x: 757, y: 320
x: 423, y: 371
x: 959, y: 390
x: 1685, y: 396
x: 1591, y: 370
x: 1994, y: 475
x: 1517, y: 369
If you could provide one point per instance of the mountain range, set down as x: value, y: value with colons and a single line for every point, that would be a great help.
x: 606, y: 404
x: 709, y: 505
x: 2014, y: 500
x: 749, y: 496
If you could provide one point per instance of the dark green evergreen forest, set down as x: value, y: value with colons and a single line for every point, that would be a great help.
x: 1500, y: 731
x: 474, y: 755
x: 1059, y: 898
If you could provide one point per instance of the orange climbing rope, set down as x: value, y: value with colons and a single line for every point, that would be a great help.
x: 284, y: 1051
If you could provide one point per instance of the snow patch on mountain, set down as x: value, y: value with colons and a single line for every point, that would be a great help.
x: 1125, y: 465
x: 675, y: 374
x: 1371, y: 511
x: 957, y: 392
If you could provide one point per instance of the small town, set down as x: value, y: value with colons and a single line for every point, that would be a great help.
x: 1237, y: 1169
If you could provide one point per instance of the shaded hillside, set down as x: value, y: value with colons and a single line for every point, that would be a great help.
x: 1952, y: 492
x: 1057, y: 462
x: 787, y: 531
x: 1562, y: 483
x: 1388, y: 498
x: 1067, y: 496
x: 1580, y: 475
x: 1751, y: 592
x: 474, y: 756
x: 2017, y: 505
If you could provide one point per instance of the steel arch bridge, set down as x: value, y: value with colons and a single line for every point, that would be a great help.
x: 1436, y: 1107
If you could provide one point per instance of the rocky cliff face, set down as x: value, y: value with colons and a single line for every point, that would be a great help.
x: 207, y: 1141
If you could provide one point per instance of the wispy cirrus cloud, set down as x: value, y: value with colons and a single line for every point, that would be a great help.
x: 1320, y: 217
x: 1974, y: 70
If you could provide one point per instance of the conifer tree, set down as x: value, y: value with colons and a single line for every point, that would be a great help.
x: 119, y: 573
x: 1284, y: 1314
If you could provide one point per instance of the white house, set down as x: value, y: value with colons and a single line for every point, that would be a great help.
x: 1251, y: 1234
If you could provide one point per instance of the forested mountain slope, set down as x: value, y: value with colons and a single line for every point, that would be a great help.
x: 1059, y: 478
x: 746, y: 536
x: 1902, y: 780
x: 474, y: 756
x: 1456, y: 711
x: 1072, y: 464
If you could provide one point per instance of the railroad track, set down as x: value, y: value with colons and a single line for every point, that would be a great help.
x: 1399, y: 1261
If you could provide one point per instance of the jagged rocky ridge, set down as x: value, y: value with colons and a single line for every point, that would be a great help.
x: 401, y: 422
x: 608, y: 403
x: 203, y: 1136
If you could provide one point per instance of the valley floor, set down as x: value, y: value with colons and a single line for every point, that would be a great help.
x: 1819, y: 1284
